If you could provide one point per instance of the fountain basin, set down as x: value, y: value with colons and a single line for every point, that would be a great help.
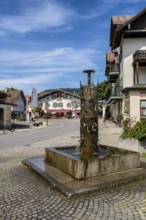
x: 109, y: 160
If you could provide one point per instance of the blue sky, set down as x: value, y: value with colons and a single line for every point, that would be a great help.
x: 48, y: 43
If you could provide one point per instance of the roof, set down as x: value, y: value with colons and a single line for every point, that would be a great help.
x: 133, y: 18
x: 120, y: 23
x: 14, y: 94
x: 110, y: 57
x: 42, y: 95
x: 121, y: 19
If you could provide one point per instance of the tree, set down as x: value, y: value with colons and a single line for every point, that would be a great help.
x: 102, y: 88
x: 38, y: 109
x: 11, y: 89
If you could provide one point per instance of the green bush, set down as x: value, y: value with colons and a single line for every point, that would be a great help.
x: 119, y: 117
x: 47, y: 115
x: 137, y: 132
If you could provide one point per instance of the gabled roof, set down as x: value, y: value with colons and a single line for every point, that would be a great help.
x: 121, y: 19
x: 15, y: 93
x: 133, y: 18
x: 110, y: 57
x: 120, y: 23
x: 42, y: 95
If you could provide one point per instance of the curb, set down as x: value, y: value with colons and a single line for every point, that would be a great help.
x: 23, y: 130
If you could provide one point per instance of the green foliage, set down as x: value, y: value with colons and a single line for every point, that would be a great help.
x: 108, y: 91
x: 137, y: 132
x: 12, y: 88
x: 101, y: 88
x: 37, y: 116
x: 38, y: 109
x: 119, y: 117
x: 47, y: 115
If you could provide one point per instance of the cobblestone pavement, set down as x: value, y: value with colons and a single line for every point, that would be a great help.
x: 24, y: 195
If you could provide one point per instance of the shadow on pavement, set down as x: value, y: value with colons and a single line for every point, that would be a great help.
x: 22, y: 125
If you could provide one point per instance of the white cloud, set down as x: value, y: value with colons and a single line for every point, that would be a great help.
x: 30, y: 79
x: 25, y: 82
x: 51, y: 14
x: 62, y: 58
x: 107, y: 5
x: 18, y: 69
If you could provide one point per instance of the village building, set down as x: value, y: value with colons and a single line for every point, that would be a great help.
x: 60, y: 103
x: 126, y: 66
x: 5, y: 109
x: 19, y: 103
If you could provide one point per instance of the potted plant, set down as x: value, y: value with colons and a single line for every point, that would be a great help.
x: 119, y: 119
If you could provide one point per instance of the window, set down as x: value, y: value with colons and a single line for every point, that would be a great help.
x: 59, y: 99
x: 47, y: 104
x: 143, y: 109
x: 69, y: 105
x: 60, y: 104
x: 55, y: 104
x: 121, y: 54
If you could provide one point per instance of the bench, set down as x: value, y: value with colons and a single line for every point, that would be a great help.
x: 37, y: 123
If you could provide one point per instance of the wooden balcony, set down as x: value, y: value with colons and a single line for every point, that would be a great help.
x: 139, y: 57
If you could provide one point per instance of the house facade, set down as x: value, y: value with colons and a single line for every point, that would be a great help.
x: 19, y: 102
x: 5, y: 109
x: 59, y: 102
x: 126, y: 66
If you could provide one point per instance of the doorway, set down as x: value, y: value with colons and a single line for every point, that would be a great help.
x: 1, y: 116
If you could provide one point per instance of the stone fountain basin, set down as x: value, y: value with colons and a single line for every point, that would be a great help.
x: 109, y: 160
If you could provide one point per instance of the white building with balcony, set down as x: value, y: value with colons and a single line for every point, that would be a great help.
x: 126, y: 66
x: 59, y: 102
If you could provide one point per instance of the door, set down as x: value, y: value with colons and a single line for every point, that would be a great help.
x: 1, y: 116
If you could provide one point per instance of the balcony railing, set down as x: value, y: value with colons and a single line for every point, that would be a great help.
x: 114, y: 68
x: 114, y: 93
x: 113, y: 72
x: 139, y: 56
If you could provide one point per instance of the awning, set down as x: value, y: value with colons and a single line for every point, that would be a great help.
x: 58, y: 111
x: 77, y: 111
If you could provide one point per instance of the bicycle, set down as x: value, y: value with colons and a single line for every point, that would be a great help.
x: 10, y: 127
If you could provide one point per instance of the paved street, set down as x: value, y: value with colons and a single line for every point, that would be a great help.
x: 34, y: 134
x: 24, y: 195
